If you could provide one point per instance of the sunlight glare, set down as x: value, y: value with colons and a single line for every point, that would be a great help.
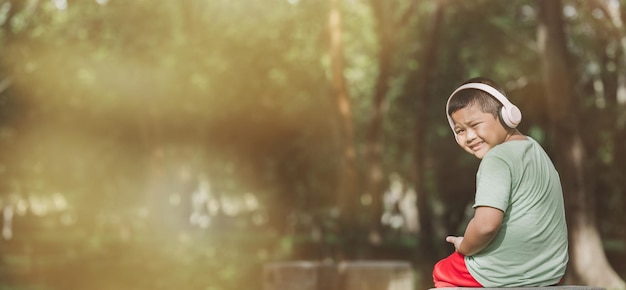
x: 59, y: 202
x: 21, y: 207
x: 4, y: 11
x: 7, y: 222
x: 569, y: 11
x: 251, y: 202
x: 60, y: 4
x: 621, y: 91
x: 230, y: 206
x: 366, y: 199
x: 38, y: 206
x: 175, y: 199
x: 143, y: 212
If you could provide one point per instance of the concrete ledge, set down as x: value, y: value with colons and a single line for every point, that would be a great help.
x: 531, y: 288
x: 347, y: 275
x: 300, y: 275
x: 375, y: 275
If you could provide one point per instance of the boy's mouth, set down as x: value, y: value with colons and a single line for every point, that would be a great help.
x: 476, y: 146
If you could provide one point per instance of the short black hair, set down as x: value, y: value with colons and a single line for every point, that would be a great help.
x: 467, y: 97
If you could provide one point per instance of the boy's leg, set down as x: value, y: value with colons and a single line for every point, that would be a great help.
x: 452, y: 272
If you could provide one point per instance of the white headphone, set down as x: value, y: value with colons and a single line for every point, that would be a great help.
x: 510, y: 115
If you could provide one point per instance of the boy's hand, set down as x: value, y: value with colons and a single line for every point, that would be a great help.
x: 456, y: 241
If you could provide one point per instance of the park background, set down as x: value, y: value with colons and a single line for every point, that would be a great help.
x: 185, y: 144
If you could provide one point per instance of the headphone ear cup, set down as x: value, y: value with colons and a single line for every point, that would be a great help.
x: 510, y: 116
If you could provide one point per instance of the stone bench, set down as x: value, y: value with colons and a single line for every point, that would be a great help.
x: 376, y: 275
x: 349, y: 275
x: 299, y: 275
x: 357, y: 275
x: 531, y: 288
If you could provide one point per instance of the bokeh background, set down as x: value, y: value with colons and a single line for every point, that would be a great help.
x: 150, y: 144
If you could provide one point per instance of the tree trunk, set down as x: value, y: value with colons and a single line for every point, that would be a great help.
x: 427, y: 254
x: 347, y: 189
x: 588, y: 263
x: 423, y: 80
x: 615, y: 81
x: 375, y: 183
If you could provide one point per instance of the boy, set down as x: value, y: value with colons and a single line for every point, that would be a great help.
x: 518, y: 235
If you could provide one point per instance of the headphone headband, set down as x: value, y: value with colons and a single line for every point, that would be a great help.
x: 510, y: 114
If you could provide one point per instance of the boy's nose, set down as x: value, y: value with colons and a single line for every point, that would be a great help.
x: 470, y: 135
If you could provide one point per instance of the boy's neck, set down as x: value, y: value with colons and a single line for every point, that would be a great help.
x: 514, y: 134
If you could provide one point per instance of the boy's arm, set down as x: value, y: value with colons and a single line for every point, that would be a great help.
x: 479, y: 232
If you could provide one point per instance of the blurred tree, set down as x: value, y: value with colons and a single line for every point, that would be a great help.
x: 607, y: 89
x: 588, y: 261
x: 374, y: 177
x: 423, y: 81
x: 347, y: 192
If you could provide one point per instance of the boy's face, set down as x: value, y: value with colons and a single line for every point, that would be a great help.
x: 477, y: 131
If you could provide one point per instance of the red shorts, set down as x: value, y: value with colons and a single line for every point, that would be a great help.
x: 452, y: 272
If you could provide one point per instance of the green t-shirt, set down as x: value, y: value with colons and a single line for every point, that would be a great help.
x: 530, y: 248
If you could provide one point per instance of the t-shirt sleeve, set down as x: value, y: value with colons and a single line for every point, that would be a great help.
x: 493, y: 183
